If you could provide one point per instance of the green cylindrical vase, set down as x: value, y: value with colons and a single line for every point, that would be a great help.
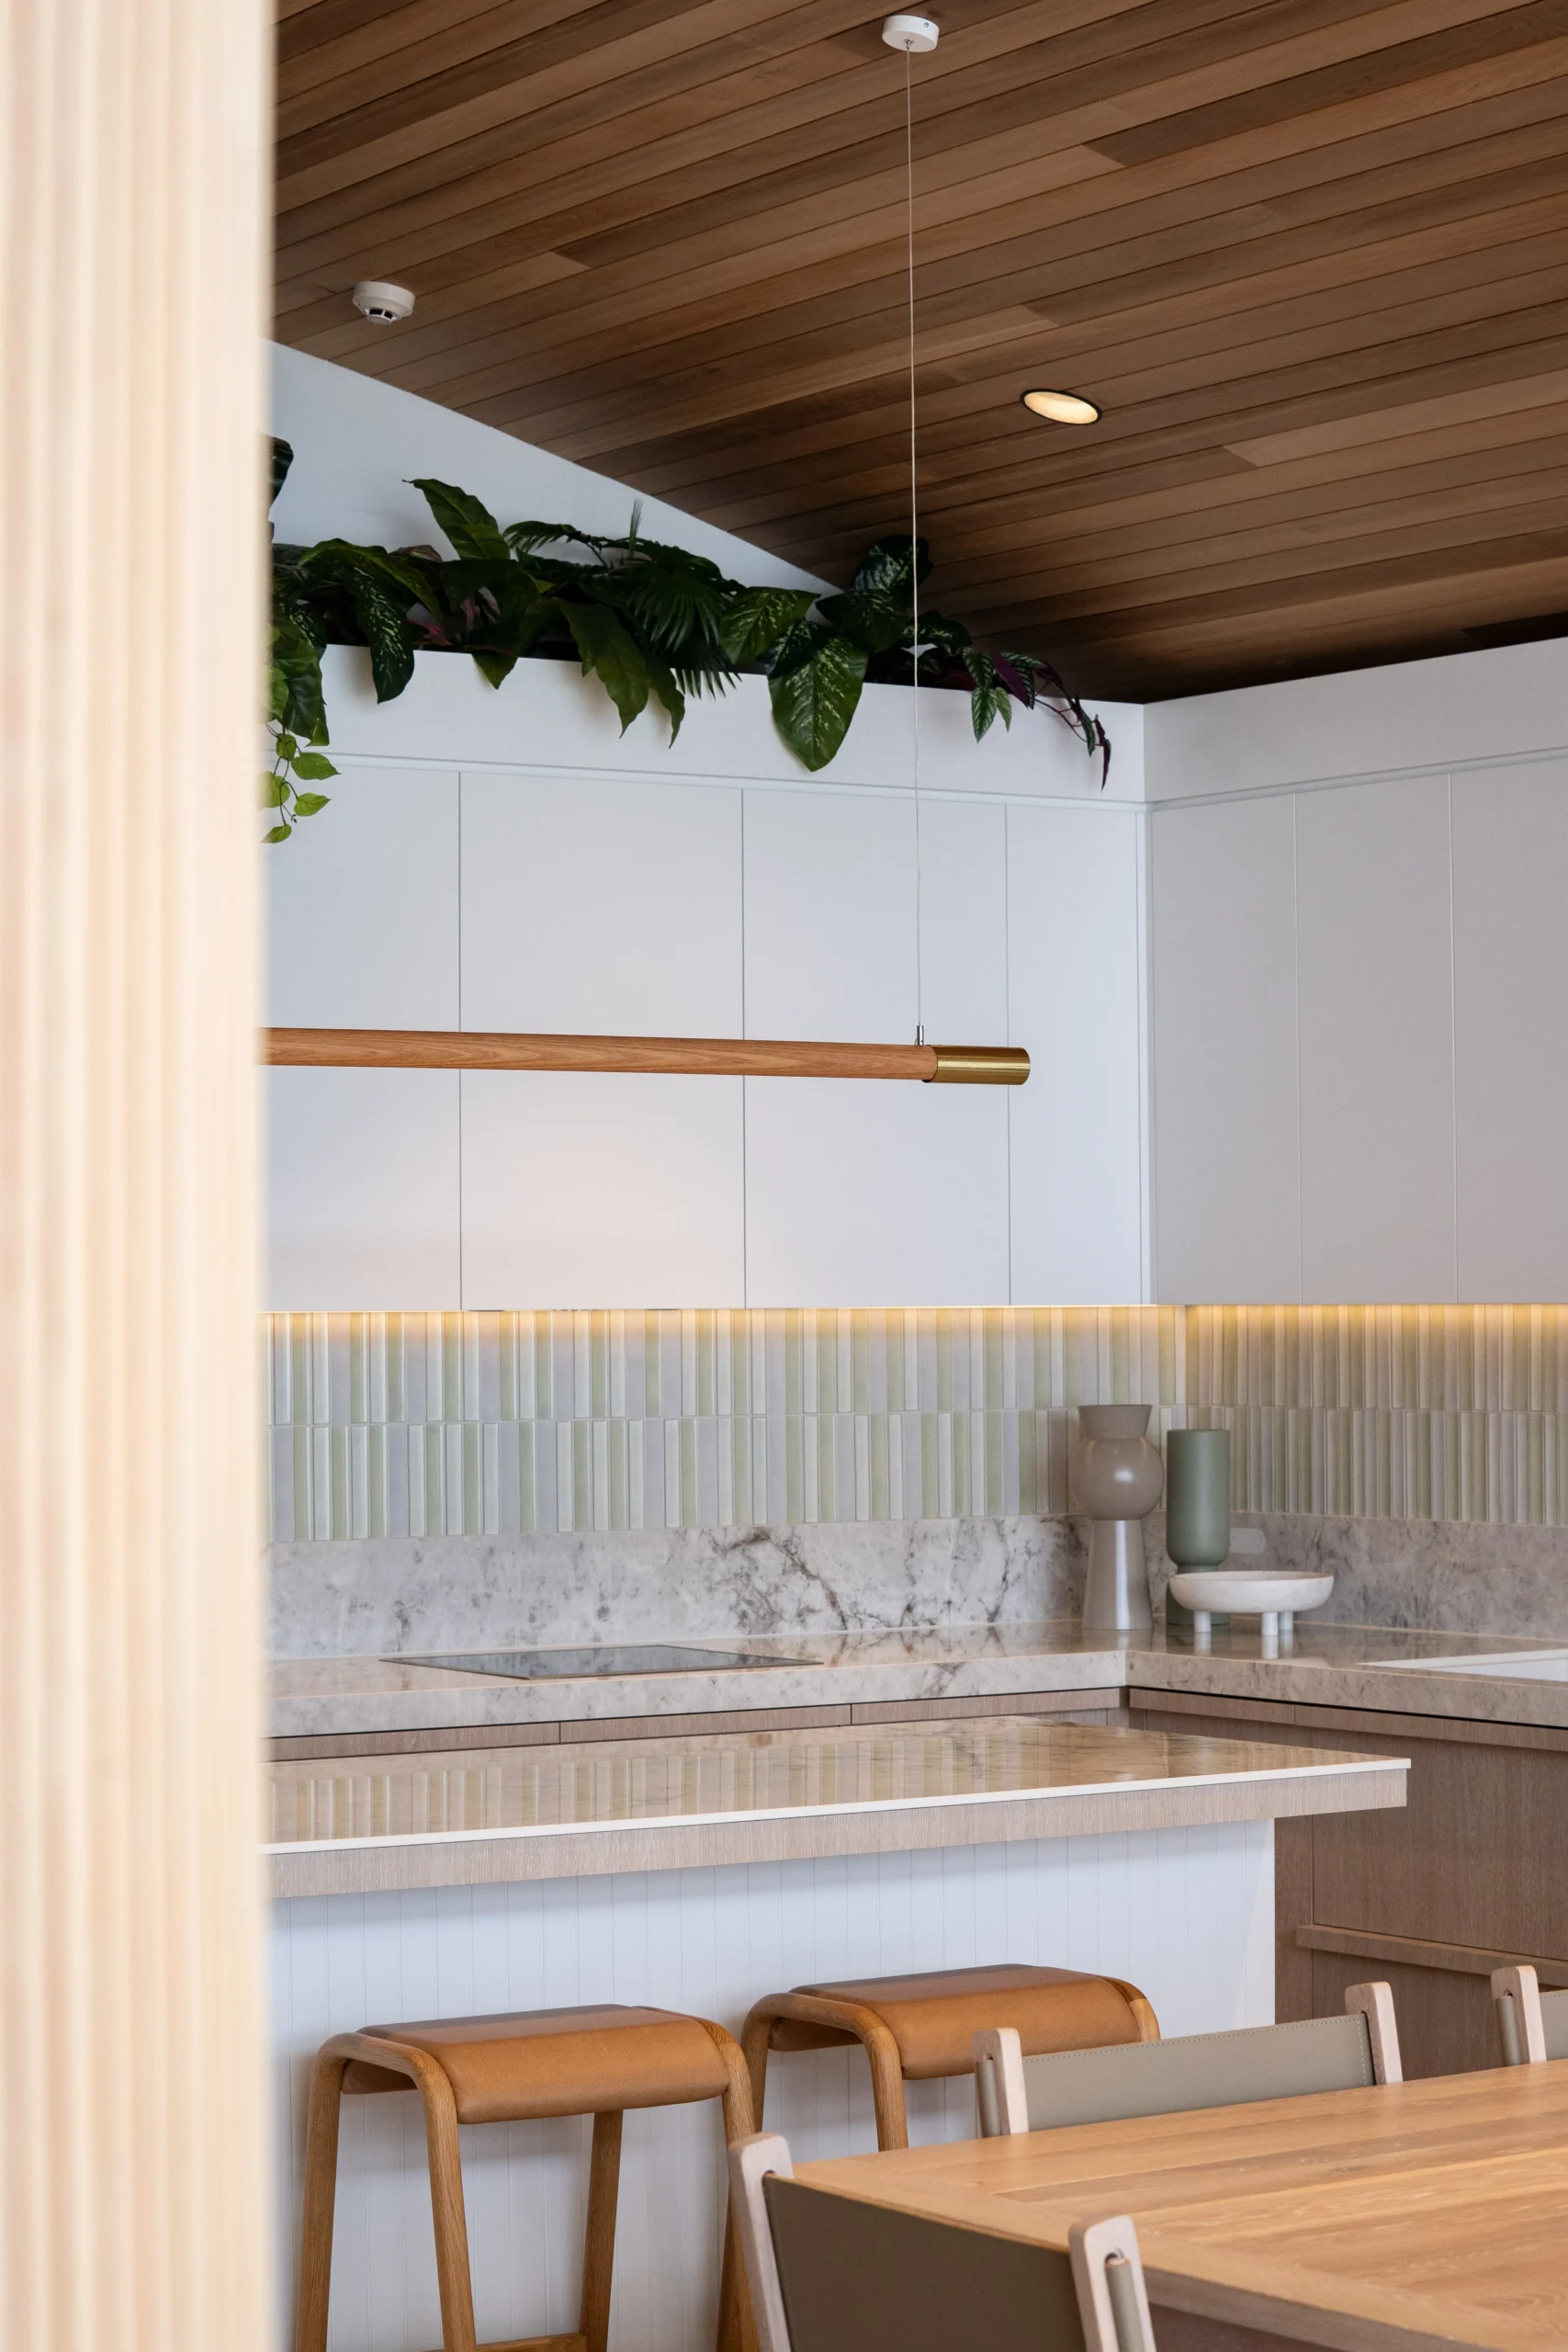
x: 1196, y: 1506
x: 1198, y: 1496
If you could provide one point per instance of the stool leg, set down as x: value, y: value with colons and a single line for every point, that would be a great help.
x: 599, y: 2239
x: 321, y: 2197
x: 737, y: 2326
x: 754, y: 2043
x: 447, y: 2211
x: 886, y: 2088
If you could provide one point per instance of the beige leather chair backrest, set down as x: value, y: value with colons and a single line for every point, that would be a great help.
x: 1019, y: 2094
x: 1532, y: 2026
x: 837, y: 2274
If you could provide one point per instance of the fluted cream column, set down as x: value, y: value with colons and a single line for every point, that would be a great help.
x: 131, y: 224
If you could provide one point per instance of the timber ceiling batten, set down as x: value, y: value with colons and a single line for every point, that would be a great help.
x: 1307, y: 257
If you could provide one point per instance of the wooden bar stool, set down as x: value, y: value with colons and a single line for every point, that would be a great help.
x: 914, y: 2028
x: 514, y: 2069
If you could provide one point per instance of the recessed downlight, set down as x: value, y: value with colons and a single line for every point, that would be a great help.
x: 1062, y: 408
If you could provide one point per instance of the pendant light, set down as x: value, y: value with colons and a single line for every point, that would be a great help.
x: 708, y: 1056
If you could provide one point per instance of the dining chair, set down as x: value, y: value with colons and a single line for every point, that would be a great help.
x: 1532, y: 2024
x: 1192, y: 2070
x: 829, y: 2273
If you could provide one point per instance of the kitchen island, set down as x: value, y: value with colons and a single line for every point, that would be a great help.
x: 697, y: 1869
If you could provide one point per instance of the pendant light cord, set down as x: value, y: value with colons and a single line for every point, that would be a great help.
x: 914, y: 540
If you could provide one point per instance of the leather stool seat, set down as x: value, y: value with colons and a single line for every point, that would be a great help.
x: 916, y: 2028
x: 511, y: 2069
x: 556, y: 2062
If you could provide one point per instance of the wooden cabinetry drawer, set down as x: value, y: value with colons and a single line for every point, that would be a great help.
x: 1468, y: 1874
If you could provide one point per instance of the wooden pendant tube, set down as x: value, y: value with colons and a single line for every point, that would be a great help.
x: 696, y: 1057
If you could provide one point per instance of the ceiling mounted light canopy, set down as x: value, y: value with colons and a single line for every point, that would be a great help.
x: 1062, y: 408
x: 913, y: 35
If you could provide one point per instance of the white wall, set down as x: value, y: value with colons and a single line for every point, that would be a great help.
x: 357, y: 441
x: 495, y: 860
x: 1357, y: 982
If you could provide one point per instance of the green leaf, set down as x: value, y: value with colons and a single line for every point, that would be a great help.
x: 471, y: 527
x: 813, y: 706
x: 886, y: 569
x: 988, y: 702
x: 286, y: 747
x: 282, y: 458
x: 759, y: 617
x: 867, y: 619
x: 277, y: 834
x: 307, y: 803
x: 526, y: 536
x: 613, y: 654
x: 388, y: 634
x: 496, y: 667
x: 312, y: 768
x: 672, y: 596
x: 667, y: 688
x: 795, y: 647
x: 275, y: 791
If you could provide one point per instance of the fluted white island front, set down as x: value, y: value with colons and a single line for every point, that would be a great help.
x: 698, y: 1874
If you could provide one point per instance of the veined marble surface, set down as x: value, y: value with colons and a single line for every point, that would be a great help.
x: 317, y: 1697
x: 1336, y: 1666
x: 1445, y: 1576
x: 468, y: 1592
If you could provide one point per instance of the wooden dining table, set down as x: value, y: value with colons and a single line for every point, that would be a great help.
x: 1403, y: 2218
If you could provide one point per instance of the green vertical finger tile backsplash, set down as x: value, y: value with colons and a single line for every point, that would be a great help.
x: 509, y: 1423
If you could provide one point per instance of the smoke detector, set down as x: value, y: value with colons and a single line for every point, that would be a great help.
x: 382, y: 304
x: 914, y: 34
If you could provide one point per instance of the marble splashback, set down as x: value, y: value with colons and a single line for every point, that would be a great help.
x: 400, y: 1596
x: 1442, y: 1578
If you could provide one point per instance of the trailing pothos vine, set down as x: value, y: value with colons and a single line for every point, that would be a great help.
x: 648, y: 620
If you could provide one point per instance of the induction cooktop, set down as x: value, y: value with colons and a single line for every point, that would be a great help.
x: 611, y: 1658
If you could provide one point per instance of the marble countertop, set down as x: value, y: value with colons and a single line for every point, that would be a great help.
x: 472, y: 1817
x: 1326, y: 1664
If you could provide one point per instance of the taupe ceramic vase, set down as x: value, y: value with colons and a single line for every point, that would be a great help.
x: 1116, y: 1477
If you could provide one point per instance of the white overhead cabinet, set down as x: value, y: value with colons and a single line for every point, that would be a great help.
x: 629, y: 890
x: 1226, y: 1145
x: 1510, y: 837
x: 585, y: 1190
x: 1075, y: 990
x: 1375, y: 984
x: 361, y: 933
x: 1357, y: 994
x: 609, y: 907
x: 874, y: 1191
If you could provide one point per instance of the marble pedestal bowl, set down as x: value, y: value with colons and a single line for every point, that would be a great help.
x: 1273, y: 1595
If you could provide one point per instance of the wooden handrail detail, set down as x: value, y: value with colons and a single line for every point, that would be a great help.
x: 695, y: 1057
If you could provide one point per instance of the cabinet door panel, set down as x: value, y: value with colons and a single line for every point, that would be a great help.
x: 1226, y: 1145
x: 362, y: 1189
x: 1464, y: 1862
x: 1074, y: 993
x: 1511, y: 1001
x: 362, y: 907
x: 867, y: 1194
x: 830, y: 916
x: 1447, y: 2024
x: 608, y: 908
x: 587, y: 1190
x: 1376, y: 983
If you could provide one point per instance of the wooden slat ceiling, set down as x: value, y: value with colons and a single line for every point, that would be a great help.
x: 1309, y: 256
